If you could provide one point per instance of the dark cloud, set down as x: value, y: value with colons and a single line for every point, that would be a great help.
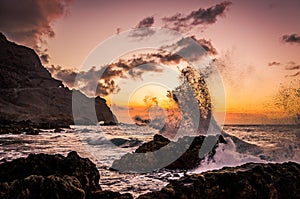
x: 294, y: 75
x: 143, y: 30
x: 274, y: 63
x: 181, y: 22
x: 66, y: 75
x: 141, y: 33
x: 146, y: 23
x: 186, y: 49
x: 30, y: 22
x: 293, y: 38
x: 189, y: 48
x: 207, y: 45
x: 137, y: 72
x: 102, y: 81
x: 292, y: 66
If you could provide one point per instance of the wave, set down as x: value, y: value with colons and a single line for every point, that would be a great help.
x: 120, y: 142
x: 226, y: 156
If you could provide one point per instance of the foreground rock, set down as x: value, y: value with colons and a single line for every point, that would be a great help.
x: 52, y: 176
x: 186, y: 153
x: 29, y: 96
x: 247, y: 181
x: 55, y: 176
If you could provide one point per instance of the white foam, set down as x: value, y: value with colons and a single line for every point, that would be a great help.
x: 226, y: 155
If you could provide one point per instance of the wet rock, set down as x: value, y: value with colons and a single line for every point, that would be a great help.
x: 58, y: 130
x: 252, y: 180
x: 186, y: 153
x: 125, y: 143
x: 110, y: 195
x: 45, y: 165
x: 52, y: 176
x: 35, y: 186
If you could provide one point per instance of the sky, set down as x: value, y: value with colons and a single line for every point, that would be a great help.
x: 255, y: 46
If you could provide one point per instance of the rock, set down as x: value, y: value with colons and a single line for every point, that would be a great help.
x: 158, y: 142
x: 29, y: 92
x: 45, y: 165
x: 42, y: 187
x: 58, y: 130
x: 52, y: 176
x: 31, y: 131
x: 110, y: 195
x: 252, y: 180
x: 19, y: 130
x: 125, y: 143
x: 163, y: 153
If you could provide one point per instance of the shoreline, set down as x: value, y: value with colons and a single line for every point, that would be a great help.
x: 249, y: 180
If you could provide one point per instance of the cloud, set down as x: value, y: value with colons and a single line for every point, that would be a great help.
x: 146, y: 23
x: 293, y: 38
x: 185, y: 49
x: 102, y: 81
x: 292, y: 66
x: 181, y: 22
x: 274, y: 63
x: 294, y: 75
x: 66, y: 75
x: 188, y: 48
x: 30, y: 22
x: 143, y: 30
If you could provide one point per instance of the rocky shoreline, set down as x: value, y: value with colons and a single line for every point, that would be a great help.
x: 55, y: 176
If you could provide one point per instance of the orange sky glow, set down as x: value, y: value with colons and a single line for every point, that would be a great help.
x: 253, y: 61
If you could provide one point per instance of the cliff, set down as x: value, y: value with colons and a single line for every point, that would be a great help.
x: 30, y: 96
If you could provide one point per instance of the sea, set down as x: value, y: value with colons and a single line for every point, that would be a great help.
x: 104, y: 144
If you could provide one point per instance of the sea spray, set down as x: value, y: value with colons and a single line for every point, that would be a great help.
x: 226, y: 156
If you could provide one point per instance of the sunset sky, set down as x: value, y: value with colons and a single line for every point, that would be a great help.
x: 257, y: 45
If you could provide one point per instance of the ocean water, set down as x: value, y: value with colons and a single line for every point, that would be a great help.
x: 104, y: 144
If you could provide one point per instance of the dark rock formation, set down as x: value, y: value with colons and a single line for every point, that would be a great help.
x: 55, y: 176
x: 247, y: 181
x: 186, y: 153
x: 36, y: 186
x: 29, y: 96
x: 52, y: 176
x: 45, y: 165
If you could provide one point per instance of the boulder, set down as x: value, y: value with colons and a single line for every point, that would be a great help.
x: 52, y: 176
x: 45, y: 165
x: 42, y: 187
x: 185, y: 153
